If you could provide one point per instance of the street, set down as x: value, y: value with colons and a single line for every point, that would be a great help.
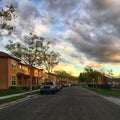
x: 72, y: 103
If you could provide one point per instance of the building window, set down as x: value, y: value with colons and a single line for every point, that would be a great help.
x: 13, y: 80
x: 13, y: 64
x: 21, y: 68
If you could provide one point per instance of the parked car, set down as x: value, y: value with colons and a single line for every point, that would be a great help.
x: 59, y: 86
x: 48, y: 87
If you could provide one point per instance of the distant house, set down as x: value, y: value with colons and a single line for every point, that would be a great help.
x: 105, y: 80
x: 15, y: 73
x: 102, y: 79
x: 115, y: 83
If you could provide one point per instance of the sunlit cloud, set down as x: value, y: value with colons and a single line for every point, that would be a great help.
x: 39, y: 29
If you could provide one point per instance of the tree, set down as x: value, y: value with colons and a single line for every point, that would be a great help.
x: 27, y: 51
x: 61, y: 74
x: 6, y: 15
x: 50, y: 58
x: 110, y: 73
x: 88, y: 75
x: 82, y: 77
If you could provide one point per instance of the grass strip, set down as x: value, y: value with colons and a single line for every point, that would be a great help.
x: 12, y: 99
x: 10, y: 92
x: 114, y: 93
x: 6, y: 100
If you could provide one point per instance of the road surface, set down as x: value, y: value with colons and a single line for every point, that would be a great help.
x: 72, y: 103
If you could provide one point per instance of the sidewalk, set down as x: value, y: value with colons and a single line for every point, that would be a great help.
x: 13, y: 95
x: 112, y: 99
x: 109, y: 98
x: 4, y: 105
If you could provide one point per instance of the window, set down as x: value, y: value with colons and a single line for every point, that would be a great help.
x: 13, y: 64
x: 21, y: 68
x: 13, y: 80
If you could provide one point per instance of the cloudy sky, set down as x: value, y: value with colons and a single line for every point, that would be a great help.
x: 84, y: 32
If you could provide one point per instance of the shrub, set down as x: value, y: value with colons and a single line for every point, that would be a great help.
x: 35, y: 87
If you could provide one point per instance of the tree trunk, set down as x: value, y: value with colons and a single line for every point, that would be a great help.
x: 30, y: 80
x: 48, y: 75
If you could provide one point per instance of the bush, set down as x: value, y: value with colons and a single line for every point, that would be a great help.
x: 15, y: 88
x: 34, y: 87
x: 18, y: 88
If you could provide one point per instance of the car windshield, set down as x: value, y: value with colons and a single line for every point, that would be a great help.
x: 47, y: 83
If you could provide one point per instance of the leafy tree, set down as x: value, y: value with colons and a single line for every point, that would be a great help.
x: 88, y: 75
x: 27, y: 51
x: 63, y: 75
x: 49, y: 58
x: 6, y: 15
x: 110, y: 73
x: 82, y: 77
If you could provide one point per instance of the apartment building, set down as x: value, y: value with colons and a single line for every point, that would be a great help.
x: 51, y: 76
x: 15, y: 73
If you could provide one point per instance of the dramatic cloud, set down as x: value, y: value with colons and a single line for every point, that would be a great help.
x: 96, y: 33
x: 61, y: 7
x: 84, y: 32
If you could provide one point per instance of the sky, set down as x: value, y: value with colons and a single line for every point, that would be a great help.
x: 84, y: 32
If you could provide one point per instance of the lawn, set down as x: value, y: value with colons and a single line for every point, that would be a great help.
x: 114, y: 93
x: 6, y: 100
x: 15, y: 90
x: 12, y: 99
x: 11, y: 91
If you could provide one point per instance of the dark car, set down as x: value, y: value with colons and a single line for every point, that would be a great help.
x: 48, y: 87
x: 59, y: 86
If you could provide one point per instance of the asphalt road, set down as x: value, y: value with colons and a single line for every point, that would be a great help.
x: 72, y: 103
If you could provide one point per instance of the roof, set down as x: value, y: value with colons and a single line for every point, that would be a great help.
x: 6, y: 55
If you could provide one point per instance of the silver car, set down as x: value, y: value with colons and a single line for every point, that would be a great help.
x: 48, y: 87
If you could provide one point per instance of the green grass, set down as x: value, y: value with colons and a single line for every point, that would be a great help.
x: 10, y: 92
x: 12, y: 99
x: 16, y: 90
x: 6, y: 100
x: 114, y: 93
